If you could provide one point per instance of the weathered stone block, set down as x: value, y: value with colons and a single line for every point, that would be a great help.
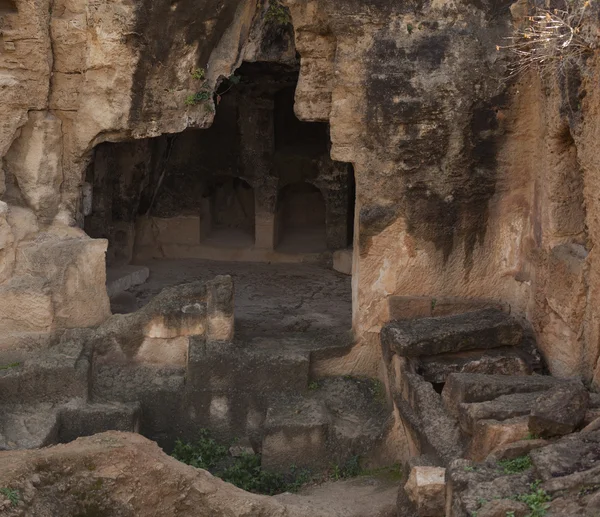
x: 89, y: 419
x: 426, y: 488
x: 488, y: 435
x: 476, y: 387
x: 475, y: 330
x: 295, y: 434
x: 26, y: 305
x: 164, y: 351
x: 496, y: 361
x: 342, y: 261
x: 559, y: 411
x: 74, y: 266
x: 501, y: 408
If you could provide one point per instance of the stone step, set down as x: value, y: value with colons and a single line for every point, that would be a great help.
x: 56, y: 374
x: 501, y: 408
x: 28, y: 427
x: 85, y: 420
x: 488, y: 328
x: 296, y: 433
x: 339, y: 419
x: 500, y: 361
x: 122, y: 278
x: 236, y: 367
x: 436, y: 433
x: 474, y: 387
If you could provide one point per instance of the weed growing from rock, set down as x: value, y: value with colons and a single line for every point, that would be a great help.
x: 515, y: 466
x: 277, y: 13
x: 198, y: 97
x: 12, y: 495
x: 537, y: 500
x: 9, y: 366
x: 198, y: 74
x: 549, y: 37
x: 203, y: 453
x: 244, y: 471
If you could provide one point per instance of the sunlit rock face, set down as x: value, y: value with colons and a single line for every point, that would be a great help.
x: 468, y: 184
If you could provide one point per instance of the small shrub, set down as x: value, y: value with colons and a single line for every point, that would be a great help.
x: 277, y: 13
x: 410, y: 28
x: 549, y: 37
x: 515, y: 466
x: 351, y: 468
x: 246, y: 473
x: 12, y: 495
x: 198, y: 74
x: 198, y: 97
x: 537, y: 500
x: 204, y: 453
x: 313, y: 386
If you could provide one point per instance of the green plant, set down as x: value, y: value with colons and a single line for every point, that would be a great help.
x: 433, y: 304
x: 277, y: 13
x: 198, y: 97
x: 313, y: 386
x: 247, y: 474
x: 532, y: 436
x: 537, y: 500
x: 244, y: 472
x: 350, y: 468
x: 510, y: 514
x: 410, y: 28
x: 198, y: 74
x: 9, y: 366
x: 468, y: 468
x: 516, y: 465
x: 204, y: 453
x: 12, y: 495
x: 377, y: 389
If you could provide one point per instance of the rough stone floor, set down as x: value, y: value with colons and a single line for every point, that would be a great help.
x: 270, y: 299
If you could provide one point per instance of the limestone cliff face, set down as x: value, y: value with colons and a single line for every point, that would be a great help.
x: 467, y: 184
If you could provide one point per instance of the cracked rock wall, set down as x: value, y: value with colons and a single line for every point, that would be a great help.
x: 467, y: 184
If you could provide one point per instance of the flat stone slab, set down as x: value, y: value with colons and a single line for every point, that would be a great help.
x: 88, y: 419
x: 501, y: 408
x: 122, y: 278
x: 503, y: 360
x: 483, y: 329
x: 478, y: 387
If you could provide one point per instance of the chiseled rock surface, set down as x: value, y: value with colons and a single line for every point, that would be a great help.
x: 426, y: 488
x: 560, y: 410
x: 488, y: 328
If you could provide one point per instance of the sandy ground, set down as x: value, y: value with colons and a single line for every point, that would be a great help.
x: 270, y: 299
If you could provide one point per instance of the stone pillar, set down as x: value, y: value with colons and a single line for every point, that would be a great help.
x: 257, y: 145
x: 265, y: 230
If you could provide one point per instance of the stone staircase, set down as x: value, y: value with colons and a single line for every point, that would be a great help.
x: 269, y: 389
x: 448, y: 376
x: 44, y: 396
x: 465, y: 386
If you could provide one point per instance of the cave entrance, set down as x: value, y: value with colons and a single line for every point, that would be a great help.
x: 259, y: 185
